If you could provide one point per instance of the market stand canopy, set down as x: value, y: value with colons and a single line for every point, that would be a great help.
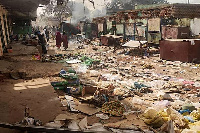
x: 22, y: 8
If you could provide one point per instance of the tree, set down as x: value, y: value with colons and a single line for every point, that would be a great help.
x: 58, y: 10
x: 117, y: 5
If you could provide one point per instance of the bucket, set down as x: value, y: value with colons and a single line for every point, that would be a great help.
x: 9, y: 50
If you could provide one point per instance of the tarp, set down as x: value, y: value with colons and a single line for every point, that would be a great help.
x: 133, y: 44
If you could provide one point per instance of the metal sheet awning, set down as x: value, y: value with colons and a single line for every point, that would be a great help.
x: 22, y: 8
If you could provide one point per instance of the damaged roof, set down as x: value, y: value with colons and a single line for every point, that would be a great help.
x: 167, y: 10
x: 162, y: 11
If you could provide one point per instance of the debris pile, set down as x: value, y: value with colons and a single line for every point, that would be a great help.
x: 105, y: 91
x: 115, y: 88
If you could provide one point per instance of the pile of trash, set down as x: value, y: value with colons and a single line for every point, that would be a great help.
x: 127, y: 94
x: 54, y: 58
x: 69, y: 59
x: 166, y: 119
x: 89, y: 61
x: 69, y: 82
x: 90, y: 100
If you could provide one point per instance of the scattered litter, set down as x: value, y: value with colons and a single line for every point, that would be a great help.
x: 73, y: 61
x: 73, y: 126
x: 28, y: 120
x: 63, y: 117
x: 71, y: 103
x: 98, y: 84
x: 87, y: 109
x: 102, y: 116
x: 96, y: 127
x: 55, y: 124
x: 114, y: 108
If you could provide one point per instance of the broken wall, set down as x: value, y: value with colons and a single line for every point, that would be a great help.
x: 109, y: 25
x: 154, y: 30
x: 120, y: 29
x: 129, y: 29
x: 100, y: 27
x: 154, y: 24
x: 169, y: 32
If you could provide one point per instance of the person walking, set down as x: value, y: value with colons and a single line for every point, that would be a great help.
x: 58, y: 39
x: 65, y: 40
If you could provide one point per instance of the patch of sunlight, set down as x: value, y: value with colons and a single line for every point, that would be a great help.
x: 32, y: 84
x: 37, y: 86
x: 54, y: 99
x: 19, y: 87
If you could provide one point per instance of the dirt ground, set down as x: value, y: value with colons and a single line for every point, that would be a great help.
x: 35, y: 91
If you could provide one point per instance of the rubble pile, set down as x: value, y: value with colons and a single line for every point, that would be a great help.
x: 118, y: 92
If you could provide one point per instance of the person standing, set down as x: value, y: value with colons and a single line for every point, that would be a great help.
x: 53, y: 32
x: 58, y: 39
x: 47, y: 34
x: 42, y: 42
x: 65, y: 40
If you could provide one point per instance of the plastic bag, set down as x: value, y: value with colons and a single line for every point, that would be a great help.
x: 153, y: 118
x: 82, y: 68
x: 177, y: 118
x: 195, y: 114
